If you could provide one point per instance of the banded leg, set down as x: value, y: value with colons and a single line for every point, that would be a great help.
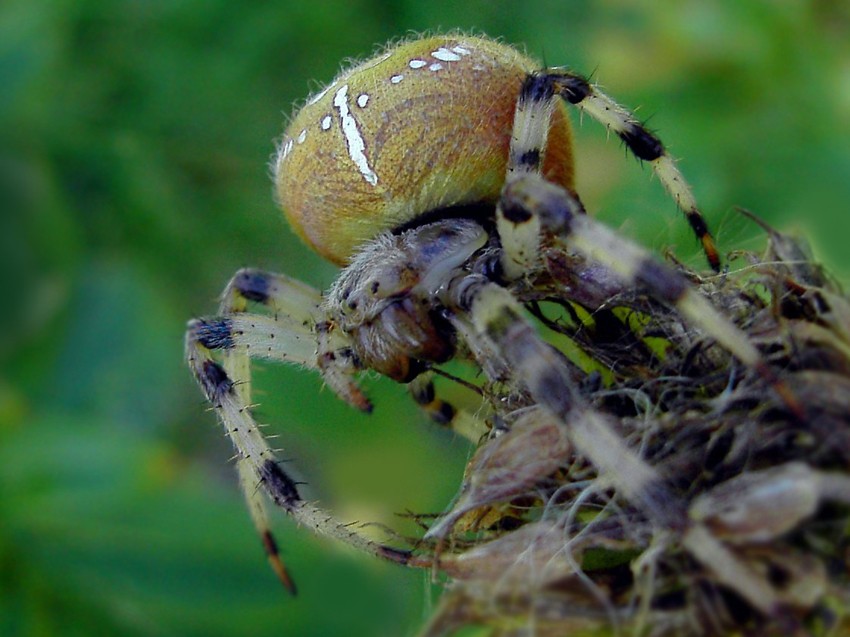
x: 238, y: 336
x: 493, y: 319
x: 297, y: 311
x: 444, y: 413
x: 531, y: 125
x: 277, y: 292
x: 531, y: 196
x: 218, y: 352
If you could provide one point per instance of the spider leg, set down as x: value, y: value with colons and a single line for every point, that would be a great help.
x: 425, y: 395
x: 443, y: 413
x: 531, y: 126
x: 531, y: 196
x: 289, y: 334
x: 275, y: 291
x: 218, y: 352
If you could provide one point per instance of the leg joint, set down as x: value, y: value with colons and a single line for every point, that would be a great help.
x: 574, y: 88
x: 214, y: 381
x: 280, y: 486
x: 641, y: 142
x: 537, y: 87
x: 528, y: 160
x: 213, y: 334
x: 252, y: 285
x: 532, y: 195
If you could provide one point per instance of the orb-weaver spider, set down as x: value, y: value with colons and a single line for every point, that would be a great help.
x: 440, y: 174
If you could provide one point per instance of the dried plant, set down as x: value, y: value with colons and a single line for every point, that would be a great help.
x: 538, y: 543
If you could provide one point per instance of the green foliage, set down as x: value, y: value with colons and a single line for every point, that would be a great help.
x: 134, y: 138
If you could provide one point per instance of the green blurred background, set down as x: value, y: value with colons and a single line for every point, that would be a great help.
x: 134, y: 140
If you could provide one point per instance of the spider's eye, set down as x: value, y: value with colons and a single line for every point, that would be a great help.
x: 423, y: 126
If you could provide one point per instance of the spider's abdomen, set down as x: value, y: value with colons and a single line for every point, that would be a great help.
x: 423, y: 126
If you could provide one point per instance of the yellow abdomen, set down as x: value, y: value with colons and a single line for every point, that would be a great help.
x: 423, y: 126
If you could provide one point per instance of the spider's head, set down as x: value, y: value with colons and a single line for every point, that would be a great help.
x: 425, y: 125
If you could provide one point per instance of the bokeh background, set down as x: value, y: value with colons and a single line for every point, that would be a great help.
x: 134, y: 141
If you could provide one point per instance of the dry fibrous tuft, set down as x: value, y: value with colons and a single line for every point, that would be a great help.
x: 749, y: 534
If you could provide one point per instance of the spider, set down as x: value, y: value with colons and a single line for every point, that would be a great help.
x: 439, y: 174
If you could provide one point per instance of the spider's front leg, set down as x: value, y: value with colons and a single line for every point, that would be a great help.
x: 529, y: 196
x: 219, y: 350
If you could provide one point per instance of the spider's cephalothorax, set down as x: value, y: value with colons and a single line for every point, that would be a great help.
x: 440, y: 173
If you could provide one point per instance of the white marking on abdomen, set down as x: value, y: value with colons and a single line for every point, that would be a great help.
x: 353, y: 138
x: 416, y: 64
x: 362, y: 100
x: 326, y: 122
x: 436, y: 66
x: 461, y: 50
x: 445, y: 55
x: 395, y: 79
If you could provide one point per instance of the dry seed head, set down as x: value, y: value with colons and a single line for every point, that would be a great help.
x: 769, y: 494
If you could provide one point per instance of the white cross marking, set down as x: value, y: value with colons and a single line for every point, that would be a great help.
x: 353, y: 138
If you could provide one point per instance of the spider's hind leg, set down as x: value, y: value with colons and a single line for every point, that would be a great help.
x: 538, y: 95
